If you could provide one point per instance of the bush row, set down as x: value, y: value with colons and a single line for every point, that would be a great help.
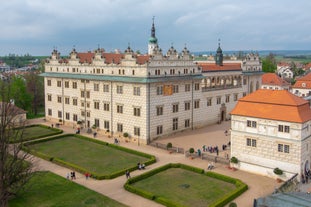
x: 151, y: 196
x: 241, y: 187
x: 56, y: 132
x: 81, y: 169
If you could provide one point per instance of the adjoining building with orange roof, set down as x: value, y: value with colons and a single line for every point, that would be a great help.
x: 302, y: 87
x: 272, y: 129
x: 144, y: 96
x: 274, y: 82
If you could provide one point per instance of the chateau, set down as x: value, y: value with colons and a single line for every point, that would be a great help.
x: 145, y: 96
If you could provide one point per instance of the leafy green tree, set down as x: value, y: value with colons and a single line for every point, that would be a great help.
x: 19, y: 94
x: 269, y: 63
x: 35, y: 88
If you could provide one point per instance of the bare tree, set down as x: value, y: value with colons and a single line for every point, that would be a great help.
x: 15, y: 171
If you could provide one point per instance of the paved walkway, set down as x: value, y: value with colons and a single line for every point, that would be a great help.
x: 259, y: 186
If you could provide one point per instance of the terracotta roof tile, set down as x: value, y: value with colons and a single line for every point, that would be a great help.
x: 275, y: 105
x: 303, y: 82
x: 142, y: 59
x: 225, y: 67
x: 273, y: 79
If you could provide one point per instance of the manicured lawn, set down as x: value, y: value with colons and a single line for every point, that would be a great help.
x: 89, y: 155
x: 37, y: 131
x: 185, y: 187
x: 48, y: 189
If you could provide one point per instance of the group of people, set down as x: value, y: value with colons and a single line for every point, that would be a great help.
x: 140, y: 166
x: 71, y: 175
x: 210, y: 149
x: 78, y: 131
x: 210, y: 166
x: 116, y: 141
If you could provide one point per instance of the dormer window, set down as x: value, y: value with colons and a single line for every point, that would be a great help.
x: 303, y: 84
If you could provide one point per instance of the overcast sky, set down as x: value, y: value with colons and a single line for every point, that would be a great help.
x: 37, y: 26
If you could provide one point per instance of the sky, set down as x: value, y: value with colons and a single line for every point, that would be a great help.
x: 36, y: 27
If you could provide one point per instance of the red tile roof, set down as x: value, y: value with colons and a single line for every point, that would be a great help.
x: 303, y: 82
x: 225, y: 67
x: 274, y: 105
x: 87, y: 57
x: 273, y: 79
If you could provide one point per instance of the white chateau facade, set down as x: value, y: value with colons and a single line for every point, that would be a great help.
x: 146, y: 96
x: 272, y: 129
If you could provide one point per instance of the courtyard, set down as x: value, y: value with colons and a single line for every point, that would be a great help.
x: 259, y: 186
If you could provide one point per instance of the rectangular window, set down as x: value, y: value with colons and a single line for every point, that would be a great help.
x: 227, y: 98
x: 175, y: 88
x: 119, y: 89
x: 119, y: 127
x: 120, y: 109
x: 74, y: 85
x: 218, y: 100
x: 96, y: 87
x: 87, y: 94
x: 175, y: 108
x: 136, y: 91
x: 187, y: 106
x: 159, y: 129
x: 244, y: 94
x: 235, y: 97
x: 66, y: 84
x: 88, y: 114
x: 187, y: 87
x: 67, y: 115
x: 136, y: 111
x: 159, y: 90
x: 187, y: 123
x: 96, y: 105
x: 88, y: 104
x: 96, y: 122
x: 49, y: 97
x: 251, y: 142
x: 50, y: 112
x: 82, y: 94
x: 283, y: 128
x: 106, y: 88
x: 75, y: 101
x: 283, y: 148
x: 75, y: 117
x: 60, y: 115
x: 59, y: 99
x: 106, y: 124
x: 286, y: 148
x: 49, y: 82
x: 252, y: 124
x: 82, y: 113
x: 136, y: 131
x: 197, y: 104
x: 59, y: 84
x: 175, y: 124
x: 106, y: 107
x: 209, y: 101
x: 67, y: 100
x: 197, y: 86
x: 159, y: 110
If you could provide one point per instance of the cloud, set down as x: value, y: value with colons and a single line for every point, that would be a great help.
x: 114, y: 23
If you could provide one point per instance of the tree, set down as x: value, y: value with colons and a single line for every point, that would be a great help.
x: 35, y: 87
x: 15, y: 171
x: 269, y: 63
x: 19, y: 94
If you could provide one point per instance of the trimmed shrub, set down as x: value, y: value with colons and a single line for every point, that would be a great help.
x: 233, y: 204
x: 234, y: 160
x: 125, y: 134
x: 278, y: 171
x: 191, y: 150
x: 169, y: 145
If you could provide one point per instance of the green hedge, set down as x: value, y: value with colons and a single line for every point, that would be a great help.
x: 80, y: 169
x: 241, y: 187
x: 56, y: 132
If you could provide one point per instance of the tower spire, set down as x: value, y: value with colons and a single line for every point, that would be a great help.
x: 153, y: 41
